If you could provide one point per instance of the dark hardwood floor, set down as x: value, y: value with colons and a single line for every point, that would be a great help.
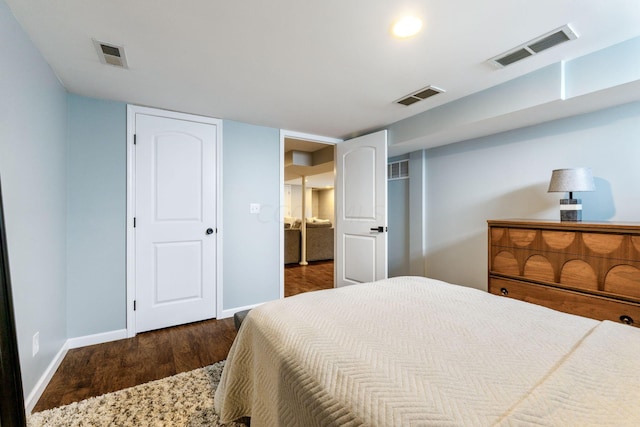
x: 103, y: 368
x: 315, y: 276
x: 94, y: 370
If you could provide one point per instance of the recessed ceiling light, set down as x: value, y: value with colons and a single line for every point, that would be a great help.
x: 407, y: 27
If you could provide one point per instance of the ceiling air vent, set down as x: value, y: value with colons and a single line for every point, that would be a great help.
x: 111, y: 54
x: 534, y: 46
x: 419, y: 95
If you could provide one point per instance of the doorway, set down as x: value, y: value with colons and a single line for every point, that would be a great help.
x: 307, y: 213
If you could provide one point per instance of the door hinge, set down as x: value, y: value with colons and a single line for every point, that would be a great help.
x: 134, y: 305
x: 135, y: 139
x: 134, y: 222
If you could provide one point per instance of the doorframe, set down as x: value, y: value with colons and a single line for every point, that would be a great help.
x: 132, y: 110
x: 284, y: 133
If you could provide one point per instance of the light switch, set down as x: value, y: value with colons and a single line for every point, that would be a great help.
x: 254, y: 208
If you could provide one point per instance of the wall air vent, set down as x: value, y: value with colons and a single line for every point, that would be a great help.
x: 537, y: 45
x: 419, y: 95
x: 398, y: 170
x: 111, y: 54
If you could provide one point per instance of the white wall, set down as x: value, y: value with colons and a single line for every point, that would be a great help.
x: 320, y: 202
x: 296, y: 202
x: 507, y: 175
x: 33, y: 164
x: 325, y: 205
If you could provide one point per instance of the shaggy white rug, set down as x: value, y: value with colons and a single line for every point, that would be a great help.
x: 184, y: 399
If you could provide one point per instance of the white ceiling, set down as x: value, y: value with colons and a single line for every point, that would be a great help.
x: 320, y: 176
x: 326, y: 67
x: 320, y: 181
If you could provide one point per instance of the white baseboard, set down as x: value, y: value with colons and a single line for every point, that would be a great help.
x: 97, y: 338
x: 230, y: 312
x: 34, y: 396
x: 31, y: 400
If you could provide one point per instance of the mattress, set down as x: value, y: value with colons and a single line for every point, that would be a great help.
x: 416, y: 351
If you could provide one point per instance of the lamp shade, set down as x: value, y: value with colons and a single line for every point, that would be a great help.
x: 570, y: 180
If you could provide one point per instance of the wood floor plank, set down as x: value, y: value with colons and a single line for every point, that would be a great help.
x: 305, y: 278
x: 95, y: 370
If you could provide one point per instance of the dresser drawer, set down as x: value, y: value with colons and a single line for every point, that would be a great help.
x: 602, y: 263
x: 592, y: 306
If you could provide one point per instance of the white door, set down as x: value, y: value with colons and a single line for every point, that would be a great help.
x: 361, y: 217
x: 175, y: 221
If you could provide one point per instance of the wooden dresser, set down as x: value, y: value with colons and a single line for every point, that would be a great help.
x: 586, y: 268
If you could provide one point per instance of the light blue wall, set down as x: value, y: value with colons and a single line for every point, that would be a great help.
x: 507, y: 175
x: 33, y: 170
x: 417, y: 212
x: 407, y: 218
x: 63, y: 169
x: 603, y: 69
x: 537, y: 88
x: 63, y: 159
x: 251, y: 251
x: 398, y: 220
x: 584, y: 84
x: 97, y: 213
x: 96, y: 183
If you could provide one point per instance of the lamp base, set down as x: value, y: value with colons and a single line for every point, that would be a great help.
x: 570, y: 210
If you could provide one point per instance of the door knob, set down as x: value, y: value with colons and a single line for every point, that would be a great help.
x: 209, y: 230
x: 378, y: 229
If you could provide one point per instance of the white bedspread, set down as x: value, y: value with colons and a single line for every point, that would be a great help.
x: 415, y: 351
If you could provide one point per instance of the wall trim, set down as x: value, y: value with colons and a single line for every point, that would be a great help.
x: 231, y: 311
x: 100, y: 338
x: 77, y: 342
x: 130, y: 239
x: 34, y: 396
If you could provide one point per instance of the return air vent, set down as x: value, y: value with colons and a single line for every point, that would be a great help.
x: 398, y: 170
x: 111, y: 54
x: 420, y: 95
x: 544, y: 42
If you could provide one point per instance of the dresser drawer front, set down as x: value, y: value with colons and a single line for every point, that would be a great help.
x: 603, y: 263
x: 585, y: 305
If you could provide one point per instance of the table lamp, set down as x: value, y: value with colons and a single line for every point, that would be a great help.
x: 570, y: 180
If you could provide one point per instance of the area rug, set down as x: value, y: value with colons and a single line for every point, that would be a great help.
x: 184, y: 399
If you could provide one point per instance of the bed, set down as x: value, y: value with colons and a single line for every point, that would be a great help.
x: 415, y: 351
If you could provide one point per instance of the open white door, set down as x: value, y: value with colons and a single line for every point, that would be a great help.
x: 361, y: 209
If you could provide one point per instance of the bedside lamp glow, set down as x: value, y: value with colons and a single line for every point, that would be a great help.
x: 568, y: 181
